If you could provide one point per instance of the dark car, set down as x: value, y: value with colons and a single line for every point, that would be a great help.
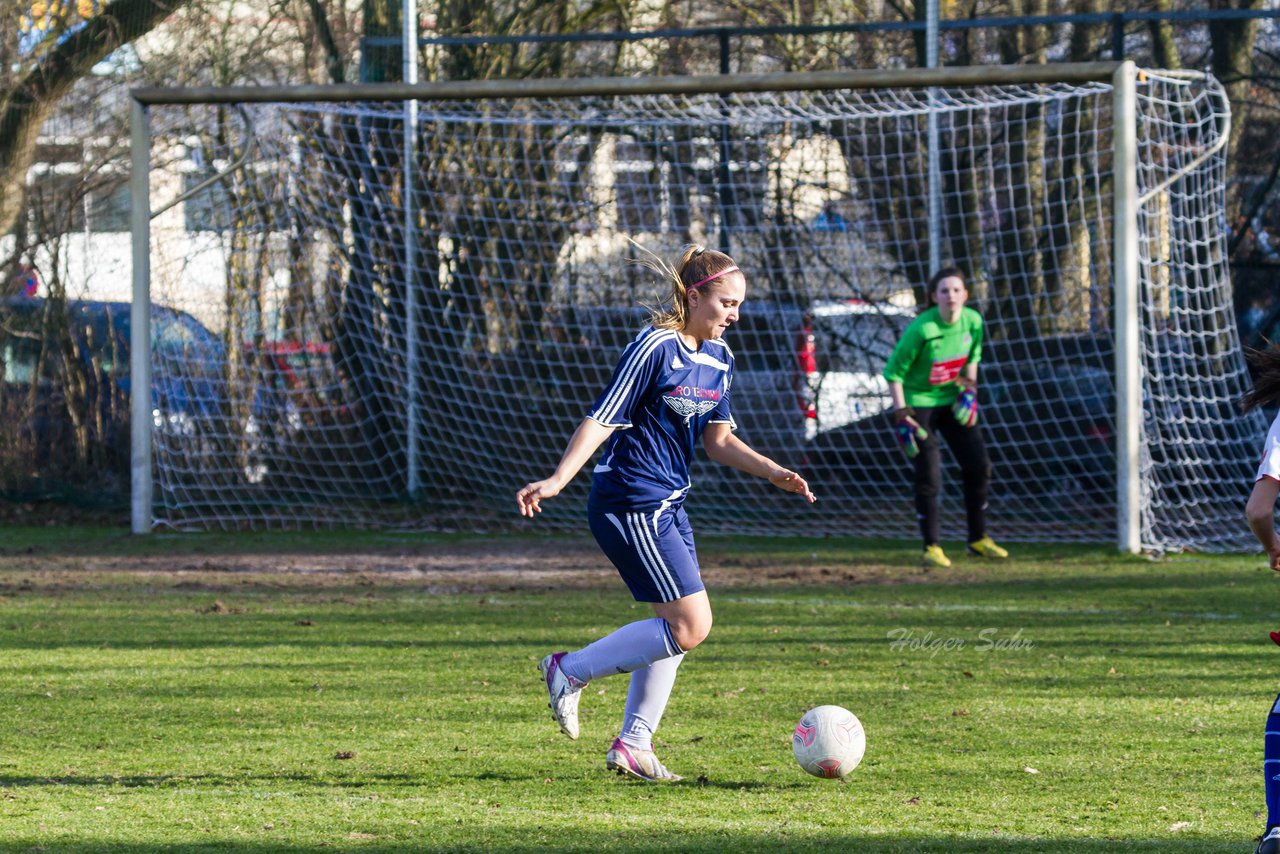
x: 300, y: 407
x: 65, y: 382
x: 65, y: 386
x: 1051, y: 428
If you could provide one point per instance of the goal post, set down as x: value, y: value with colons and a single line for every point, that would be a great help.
x: 1128, y: 362
x: 1085, y: 201
x: 140, y: 480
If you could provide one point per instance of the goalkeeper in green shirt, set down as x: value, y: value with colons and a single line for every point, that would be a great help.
x: 933, y: 378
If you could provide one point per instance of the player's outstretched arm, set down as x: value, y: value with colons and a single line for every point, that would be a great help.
x: 1260, y: 511
x: 584, y: 442
x: 727, y: 449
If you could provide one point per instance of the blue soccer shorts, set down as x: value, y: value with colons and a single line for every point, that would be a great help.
x: 652, y: 551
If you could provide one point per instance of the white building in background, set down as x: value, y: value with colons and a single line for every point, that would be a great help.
x: 87, y: 251
x: 78, y: 212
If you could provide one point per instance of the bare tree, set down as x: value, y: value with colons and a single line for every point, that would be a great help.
x: 1164, y: 45
x: 1232, y: 42
x: 68, y: 51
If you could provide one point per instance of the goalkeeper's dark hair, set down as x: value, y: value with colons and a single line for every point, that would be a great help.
x: 698, y: 267
x: 1266, y: 385
x: 944, y: 273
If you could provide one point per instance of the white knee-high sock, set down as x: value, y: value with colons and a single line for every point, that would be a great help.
x: 647, y: 700
x: 632, y: 647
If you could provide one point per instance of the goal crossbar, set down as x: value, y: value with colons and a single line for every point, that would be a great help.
x: 707, y: 84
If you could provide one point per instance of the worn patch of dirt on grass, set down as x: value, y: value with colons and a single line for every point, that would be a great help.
x: 468, y: 566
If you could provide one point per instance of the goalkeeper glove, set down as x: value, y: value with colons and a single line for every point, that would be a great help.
x: 908, y: 432
x: 965, y: 409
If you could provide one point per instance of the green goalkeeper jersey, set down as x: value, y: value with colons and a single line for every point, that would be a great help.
x: 931, y: 354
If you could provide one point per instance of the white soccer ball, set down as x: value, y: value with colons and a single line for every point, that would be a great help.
x: 829, y: 741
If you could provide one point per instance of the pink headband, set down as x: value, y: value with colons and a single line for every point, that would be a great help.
x: 726, y: 271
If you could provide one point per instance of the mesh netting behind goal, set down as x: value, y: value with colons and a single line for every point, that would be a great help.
x: 323, y: 374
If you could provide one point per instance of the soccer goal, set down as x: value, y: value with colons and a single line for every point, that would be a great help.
x: 402, y: 298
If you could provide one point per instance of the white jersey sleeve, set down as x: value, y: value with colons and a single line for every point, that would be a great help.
x: 1270, y: 464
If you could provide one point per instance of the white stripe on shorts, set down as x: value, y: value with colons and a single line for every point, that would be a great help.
x: 647, y: 549
x: 653, y: 538
x: 614, y: 519
x: 650, y: 557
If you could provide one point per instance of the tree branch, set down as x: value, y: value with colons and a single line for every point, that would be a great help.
x: 28, y: 104
x: 325, y: 33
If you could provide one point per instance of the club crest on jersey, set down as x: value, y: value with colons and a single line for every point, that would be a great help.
x: 687, y: 408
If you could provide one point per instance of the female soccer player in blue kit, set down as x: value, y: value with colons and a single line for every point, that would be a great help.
x: 670, y: 388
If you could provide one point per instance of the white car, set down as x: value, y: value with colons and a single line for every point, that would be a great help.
x: 804, y: 373
x: 853, y: 341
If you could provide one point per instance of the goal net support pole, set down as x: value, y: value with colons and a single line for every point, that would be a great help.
x: 140, y: 462
x: 1128, y: 353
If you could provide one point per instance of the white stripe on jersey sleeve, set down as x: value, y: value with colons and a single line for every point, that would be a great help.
x: 706, y: 358
x: 625, y: 376
x: 728, y: 354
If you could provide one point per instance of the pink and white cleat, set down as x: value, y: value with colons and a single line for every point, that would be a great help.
x: 563, y: 693
x: 640, y: 764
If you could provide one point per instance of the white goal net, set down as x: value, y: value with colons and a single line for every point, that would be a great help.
x: 349, y: 353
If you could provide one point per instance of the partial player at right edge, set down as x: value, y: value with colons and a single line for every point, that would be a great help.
x: 1260, y: 511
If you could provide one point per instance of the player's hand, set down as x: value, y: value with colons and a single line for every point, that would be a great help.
x: 908, y: 431
x: 789, y: 481
x: 529, y: 499
x: 965, y: 409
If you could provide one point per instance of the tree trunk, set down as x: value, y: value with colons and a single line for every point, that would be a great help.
x: 1232, y: 43
x: 1163, y: 46
x: 1019, y: 285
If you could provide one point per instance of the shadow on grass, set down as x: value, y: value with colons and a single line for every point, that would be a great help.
x: 660, y: 840
x: 211, y: 781
x: 338, y: 781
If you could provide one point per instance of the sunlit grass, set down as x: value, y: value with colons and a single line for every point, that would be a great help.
x: 1070, y: 699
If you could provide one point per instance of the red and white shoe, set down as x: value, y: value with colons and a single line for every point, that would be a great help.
x: 562, y: 693
x: 640, y: 764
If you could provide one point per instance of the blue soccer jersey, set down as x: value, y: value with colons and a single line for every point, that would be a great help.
x: 662, y: 396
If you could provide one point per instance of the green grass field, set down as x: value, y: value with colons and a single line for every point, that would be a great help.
x: 176, y: 693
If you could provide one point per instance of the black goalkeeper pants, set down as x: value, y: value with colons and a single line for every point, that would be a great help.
x: 975, y: 468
